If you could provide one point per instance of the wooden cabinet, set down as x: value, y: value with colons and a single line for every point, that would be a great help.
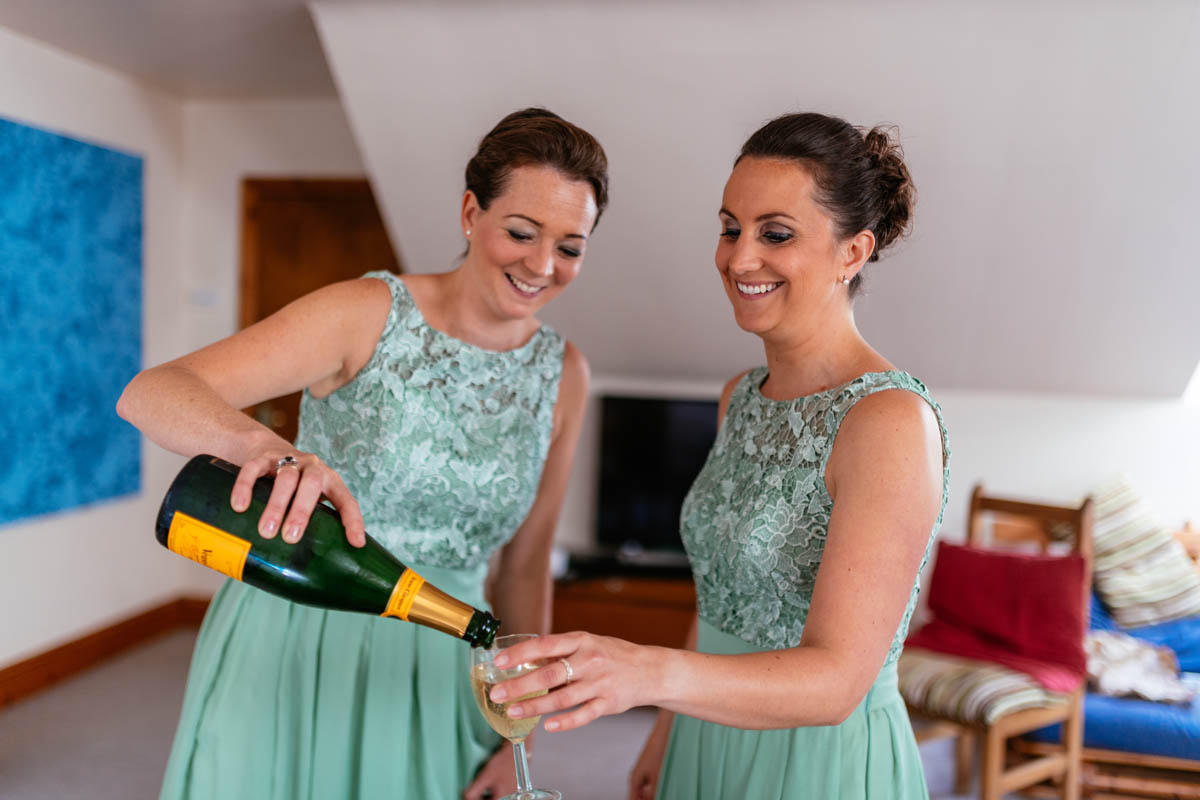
x: 653, y: 611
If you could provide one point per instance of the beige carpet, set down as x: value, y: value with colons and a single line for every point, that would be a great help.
x: 105, y: 735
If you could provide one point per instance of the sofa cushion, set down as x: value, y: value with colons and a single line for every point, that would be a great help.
x: 1136, y: 726
x: 1181, y: 635
x: 1140, y: 572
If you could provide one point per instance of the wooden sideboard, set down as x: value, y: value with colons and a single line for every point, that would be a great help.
x: 656, y: 611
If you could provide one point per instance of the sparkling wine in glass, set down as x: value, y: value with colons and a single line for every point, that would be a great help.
x: 485, y: 675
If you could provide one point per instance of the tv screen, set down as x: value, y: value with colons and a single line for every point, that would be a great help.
x: 651, y: 449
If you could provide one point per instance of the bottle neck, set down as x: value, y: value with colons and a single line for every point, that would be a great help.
x: 416, y: 600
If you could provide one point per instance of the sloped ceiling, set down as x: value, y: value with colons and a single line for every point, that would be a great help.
x: 1053, y: 145
x: 196, y: 48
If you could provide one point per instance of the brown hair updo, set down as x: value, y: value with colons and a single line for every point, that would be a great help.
x: 537, y: 137
x: 861, y: 179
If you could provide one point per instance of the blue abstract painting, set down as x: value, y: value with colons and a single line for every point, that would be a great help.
x: 70, y: 320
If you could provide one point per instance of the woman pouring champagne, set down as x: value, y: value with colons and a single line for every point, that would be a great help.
x: 438, y: 414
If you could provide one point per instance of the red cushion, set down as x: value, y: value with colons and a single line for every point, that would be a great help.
x: 942, y: 637
x: 1031, y: 605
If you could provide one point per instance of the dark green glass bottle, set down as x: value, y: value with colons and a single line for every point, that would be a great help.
x: 322, y: 569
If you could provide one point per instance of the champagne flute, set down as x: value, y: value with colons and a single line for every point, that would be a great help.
x: 485, y: 675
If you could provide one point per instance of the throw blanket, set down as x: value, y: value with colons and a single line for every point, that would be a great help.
x: 1119, y: 665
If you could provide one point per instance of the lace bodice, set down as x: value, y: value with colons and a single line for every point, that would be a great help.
x: 755, y: 520
x: 441, y: 442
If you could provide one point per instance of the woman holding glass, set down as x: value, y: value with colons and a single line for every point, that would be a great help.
x: 810, y: 521
x: 439, y: 415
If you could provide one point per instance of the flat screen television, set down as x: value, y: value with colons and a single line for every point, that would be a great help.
x: 651, y: 449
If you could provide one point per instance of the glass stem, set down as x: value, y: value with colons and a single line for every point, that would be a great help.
x: 524, y: 785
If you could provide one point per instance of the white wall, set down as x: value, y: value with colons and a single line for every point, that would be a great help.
x: 65, y: 574
x: 1059, y: 448
x: 1050, y: 145
x: 658, y: 234
x: 1047, y: 294
x: 1054, y: 449
x: 71, y: 573
x: 225, y: 142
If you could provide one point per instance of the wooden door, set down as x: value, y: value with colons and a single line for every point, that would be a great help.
x: 297, y: 236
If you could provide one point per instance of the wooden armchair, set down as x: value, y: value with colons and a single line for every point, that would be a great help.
x: 1011, y: 523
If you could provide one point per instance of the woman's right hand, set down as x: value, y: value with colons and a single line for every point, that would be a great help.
x: 302, y: 485
x: 643, y: 780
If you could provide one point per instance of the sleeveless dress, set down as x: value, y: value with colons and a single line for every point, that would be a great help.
x: 442, y: 444
x: 754, y: 525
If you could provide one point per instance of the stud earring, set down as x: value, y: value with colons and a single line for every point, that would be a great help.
x: 468, y: 231
x: 845, y: 281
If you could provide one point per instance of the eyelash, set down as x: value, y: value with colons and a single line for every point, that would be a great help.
x: 525, y: 237
x: 774, y: 237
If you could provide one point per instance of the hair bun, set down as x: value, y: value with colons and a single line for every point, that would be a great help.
x: 897, y: 193
x: 859, y: 174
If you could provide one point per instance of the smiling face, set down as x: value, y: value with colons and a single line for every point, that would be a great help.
x: 529, y: 244
x: 779, y: 257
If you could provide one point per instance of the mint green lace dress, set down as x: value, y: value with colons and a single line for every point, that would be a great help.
x: 443, y: 445
x: 754, y: 525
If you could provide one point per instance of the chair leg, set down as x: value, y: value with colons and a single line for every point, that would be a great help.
x: 964, y: 760
x: 992, y: 767
x: 1072, y: 740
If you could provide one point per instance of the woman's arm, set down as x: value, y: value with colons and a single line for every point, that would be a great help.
x: 521, y: 585
x: 191, y: 405
x: 885, y: 476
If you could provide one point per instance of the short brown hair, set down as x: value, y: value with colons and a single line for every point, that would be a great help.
x: 537, y: 137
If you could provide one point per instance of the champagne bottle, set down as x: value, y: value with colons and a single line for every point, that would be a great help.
x: 322, y: 569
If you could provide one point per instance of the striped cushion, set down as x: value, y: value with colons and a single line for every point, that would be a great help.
x: 1140, y: 571
x: 973, y: 692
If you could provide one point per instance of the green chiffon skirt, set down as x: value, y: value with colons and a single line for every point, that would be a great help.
x: 290, y: 702
x: 872, y: 755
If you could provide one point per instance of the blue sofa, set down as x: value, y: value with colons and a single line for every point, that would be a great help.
x: 1129, y: 725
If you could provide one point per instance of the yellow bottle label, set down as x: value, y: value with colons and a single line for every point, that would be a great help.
x: 207, y: 545
x: 403, y: 595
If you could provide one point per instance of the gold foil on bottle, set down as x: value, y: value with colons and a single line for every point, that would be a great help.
x: 415, y: 600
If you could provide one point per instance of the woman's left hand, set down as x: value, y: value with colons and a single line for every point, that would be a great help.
x: 496, y: 778
x: 607, y: 676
